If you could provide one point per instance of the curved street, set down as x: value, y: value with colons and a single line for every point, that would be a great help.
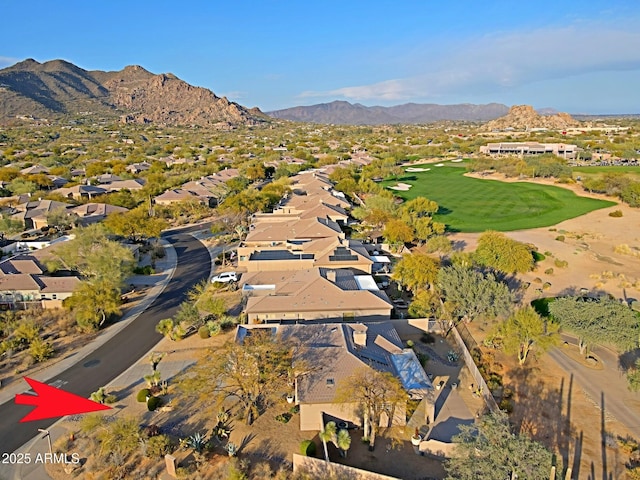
x: 122, y: 350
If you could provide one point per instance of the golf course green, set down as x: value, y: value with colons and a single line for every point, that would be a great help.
x: 475, y: 205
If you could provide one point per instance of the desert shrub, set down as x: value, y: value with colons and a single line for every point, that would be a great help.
x: 203, y: 332
x: 561, y: 263
x: 214, y: 328
x: 537, y: 280
x: 560, y: 238
x: 40, y: 350
x: 308, y: 448
x: 228, y: 322
x: 537, y: 256
x: 616, y: 213
x: 549, y: 271
x: 494, y: 382
x: 427, y: 338
x: 283, y: 417
x: 423, y: 358
x: 146, y: 270
x: 158, y: 446
x: 546, y: 286
x: 110, y: 399
x: 548, y: 253
x: 295, y: 409
x: 143, y: 394
x: 506, y: 405
x: 153, y: 403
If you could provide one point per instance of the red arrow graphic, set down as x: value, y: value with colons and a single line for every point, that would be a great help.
x: 52, y: 402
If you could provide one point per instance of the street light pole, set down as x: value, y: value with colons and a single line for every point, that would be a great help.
x: 47, y: 435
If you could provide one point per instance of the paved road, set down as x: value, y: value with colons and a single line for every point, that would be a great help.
x: 608, y: 381
x: 123, y: 349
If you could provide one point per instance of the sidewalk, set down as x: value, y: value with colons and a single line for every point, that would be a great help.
x: 165, y: 266
x: 36, y: 471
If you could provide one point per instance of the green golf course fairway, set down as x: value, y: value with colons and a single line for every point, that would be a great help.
x: 475, y: 205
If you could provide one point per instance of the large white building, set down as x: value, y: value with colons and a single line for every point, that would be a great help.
x: 563, y: 150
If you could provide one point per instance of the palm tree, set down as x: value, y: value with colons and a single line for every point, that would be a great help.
x: 327, y: 434
x: 343, y: 442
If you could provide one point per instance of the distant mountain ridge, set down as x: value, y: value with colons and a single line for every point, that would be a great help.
x: 57, y: 87
x: 345, y: 113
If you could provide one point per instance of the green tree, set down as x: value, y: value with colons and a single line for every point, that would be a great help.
x: 631, y: 194
x: 604, y: 321
x: 525, y: 330
x: 165, y: 327
x: 61, y: 218
x: 425, y: 303
x: 416, y: 271
x: 490, y: 450
x: 473, y: 294
x: 327, y: 434
x: 439, y: 244
x: 93, y: 302
x: 96, y: 257
x: 255, y: 373
x: 343, y: 441
x: 376, y: 393
x: 633, y: 377
x: 135, y: 224
x: 397, y: 232
x: 9, y: 226
x: 40, y: 350
x: 19, y: 185
x: 498, y: 251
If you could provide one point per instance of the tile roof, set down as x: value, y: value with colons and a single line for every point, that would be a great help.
x: 312, y: 290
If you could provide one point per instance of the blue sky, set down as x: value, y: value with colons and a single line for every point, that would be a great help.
x: 579, y: 57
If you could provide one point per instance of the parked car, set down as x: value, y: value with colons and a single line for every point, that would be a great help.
x: 225, y: 277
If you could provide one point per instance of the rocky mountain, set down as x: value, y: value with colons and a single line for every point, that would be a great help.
x: 345, y: 113
x: 524, y: 117
x: 57, y: 88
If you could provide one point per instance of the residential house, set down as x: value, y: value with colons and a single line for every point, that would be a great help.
x: 95, y: 212
x: 271, y: 233
x: 329, y: 252
x: 78, y: 192
x: 24, y: 284
x: 176, y: 196
x: 315, y: 294
x: 34, y: 213
x: 332, y: 354
x: 136, y: 168
x: 35, y: 169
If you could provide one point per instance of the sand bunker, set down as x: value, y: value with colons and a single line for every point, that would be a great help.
x: 416, y: 169
x: 457, y: 160
x: 439, y: 164
x: 403, y: 187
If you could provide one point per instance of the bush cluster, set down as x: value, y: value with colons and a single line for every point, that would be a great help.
x: 308, y: 448
x: 143, y: 394
x: 153, y: 403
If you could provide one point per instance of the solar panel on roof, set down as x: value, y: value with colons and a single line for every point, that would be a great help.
x: 342, y: 254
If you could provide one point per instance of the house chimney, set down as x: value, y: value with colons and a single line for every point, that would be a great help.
x: 360, y: 335
x: 331, y: 275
